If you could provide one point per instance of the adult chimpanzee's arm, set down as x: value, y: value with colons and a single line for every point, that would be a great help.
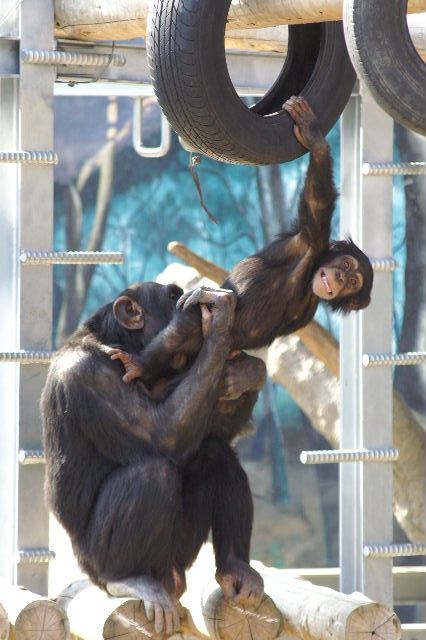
x: 318, y: 197
x: 121, y: 420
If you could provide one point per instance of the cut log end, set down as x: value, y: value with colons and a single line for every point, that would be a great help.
x: 43, y: 620
x: 227, y: 621
x: 4, y: 624
x: 373, y: 622
x: 129, y: 622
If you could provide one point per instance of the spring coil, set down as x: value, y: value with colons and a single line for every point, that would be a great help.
x: 72, y: 58
x: 27, y: 357
x: 29, y: 157
x: 394, y: 169
x: 393, y: 550
x: 384, y: 264
x: 31, y: 456
x: 71, y: 257
x: 390, y: 359
x: 349, y: 455
x: 35, y: 556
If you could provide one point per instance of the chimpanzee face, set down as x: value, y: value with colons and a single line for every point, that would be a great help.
x: 337, y: 278
x: 148, y: 307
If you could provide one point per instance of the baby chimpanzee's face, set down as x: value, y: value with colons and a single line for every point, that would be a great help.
x: 337, y: 278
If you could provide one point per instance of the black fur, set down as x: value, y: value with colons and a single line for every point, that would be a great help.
x: 138, y: 483
x: 274, y: 286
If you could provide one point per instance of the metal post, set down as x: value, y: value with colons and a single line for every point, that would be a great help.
x: 36, y: 215
x: 9, y: 329
x: 366, y: 394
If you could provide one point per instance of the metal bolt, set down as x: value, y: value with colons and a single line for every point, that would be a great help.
x: 394, y: 169
x: 349, y: 455
x: 71, y: 257
x: 72, y: 58
x: 29, y: 157
x: 393, y: 550
x: 390, y: 359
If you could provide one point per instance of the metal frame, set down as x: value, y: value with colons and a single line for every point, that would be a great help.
x: 366, y: 394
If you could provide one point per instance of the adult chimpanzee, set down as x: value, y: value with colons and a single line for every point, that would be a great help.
x: 138, y: 482
x: 278, y: 289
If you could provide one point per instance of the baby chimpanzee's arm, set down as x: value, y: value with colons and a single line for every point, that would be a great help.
x: 318, y: 198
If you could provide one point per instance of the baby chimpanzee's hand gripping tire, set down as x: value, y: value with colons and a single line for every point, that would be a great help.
x: 384, y: 56
x: 186, y: 51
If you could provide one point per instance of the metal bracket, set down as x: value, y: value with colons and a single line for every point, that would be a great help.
x: 166, y: 133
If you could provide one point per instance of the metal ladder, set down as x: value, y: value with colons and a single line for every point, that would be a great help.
x: 366, y: 548
x: 27, y: 75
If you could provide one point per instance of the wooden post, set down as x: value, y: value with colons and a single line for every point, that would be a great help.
x: 32, y: 616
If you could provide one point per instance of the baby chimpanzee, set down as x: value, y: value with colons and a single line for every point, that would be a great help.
x: 278, y: 289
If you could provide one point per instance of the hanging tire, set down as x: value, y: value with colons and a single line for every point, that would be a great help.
x: 185, y: 43
x: 384, y: 57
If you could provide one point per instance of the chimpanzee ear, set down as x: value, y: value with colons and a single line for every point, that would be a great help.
x: 128, y: 313
x: 358, y: 304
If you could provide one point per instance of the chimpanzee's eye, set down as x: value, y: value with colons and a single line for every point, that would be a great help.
x: 346, y: 265
x: 354, y: 282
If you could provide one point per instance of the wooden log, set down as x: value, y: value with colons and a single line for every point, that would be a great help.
x: 94, y: 615
x: 4, y: 624
x: 295, y: 607
x: 33, y: 616
x: 124, y: 19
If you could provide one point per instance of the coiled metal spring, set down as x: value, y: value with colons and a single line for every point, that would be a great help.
x: 390, y: 359
x: 29, y: 157
x: 393, y: 550
x: 38, y: 555
x: 394, y: 169
x: 71, y: 257
x: 72, y: 58
x: 27, y: 356
x: 349, y: 455
x: 384, y: 264
x: 31, y: 456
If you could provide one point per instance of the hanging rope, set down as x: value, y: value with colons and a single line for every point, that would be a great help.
x: 193, y: 161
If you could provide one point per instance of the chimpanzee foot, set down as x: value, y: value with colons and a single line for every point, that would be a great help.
x: 240, y: 583
x: 203, y: 295
x: 160, y: 607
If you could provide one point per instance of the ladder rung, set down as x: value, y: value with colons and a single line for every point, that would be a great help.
x: 349, y: 455
x: 384, y: 264
x: 36, y: 555
x: 394, y: 550
x: 71, y: 257
x: 390, y: 359
x: 26, y: 356
x: 31, y: 456
x: 394, y: 168
x: 72, y: 58
x: 29, y: 157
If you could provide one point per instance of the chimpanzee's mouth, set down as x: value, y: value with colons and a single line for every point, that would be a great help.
x: 326, y: 283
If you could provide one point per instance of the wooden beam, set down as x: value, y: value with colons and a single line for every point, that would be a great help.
x: 125, y: 19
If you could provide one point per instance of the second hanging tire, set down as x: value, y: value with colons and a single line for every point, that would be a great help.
x: 185, y: 41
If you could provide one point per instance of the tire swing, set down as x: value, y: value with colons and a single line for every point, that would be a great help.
x: 185, y: 43
x: 384, y: 56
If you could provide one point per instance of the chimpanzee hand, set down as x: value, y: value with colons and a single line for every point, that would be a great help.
x: 241, y: 374
x: 221, y: 306
x: 306, y: 129
x: 130, y: 362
